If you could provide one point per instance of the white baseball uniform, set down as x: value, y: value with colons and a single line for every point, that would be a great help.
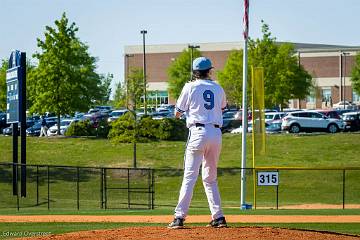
x: 202, y: 101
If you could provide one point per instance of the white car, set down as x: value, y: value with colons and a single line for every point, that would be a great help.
x: 239, y: 129
x: 310, y: 121
x: 344, y: 105
x: 272, y: 116
x: 64, y: 124
x: 116, y: 114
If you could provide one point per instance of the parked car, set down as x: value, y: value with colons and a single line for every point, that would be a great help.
x: 64, y: 124
x: 116, y: 114
x: 51, y: 121
x: 330, y: 113
x: 342, y: 111
x: 344, y: 105
x: 93, y: 111
x: 273, y: 126
x: 272, y: 116
x: 352, y: 121
x: 34, y: 130
x: 3, y: 123
x: 141, y: 111
x: 163, y: 114
x: 9, y: 130
x: 79, y: 115
x: 310, y: 121
x: 287, y: 110
x: 240, y: 129
x: 230, y: 121
x: 104, y: 109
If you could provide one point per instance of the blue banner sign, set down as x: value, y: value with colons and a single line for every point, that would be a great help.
x: 13, y: 82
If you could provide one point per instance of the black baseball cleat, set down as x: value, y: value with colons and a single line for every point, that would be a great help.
x: 177, y: 223
x: 218, y: 223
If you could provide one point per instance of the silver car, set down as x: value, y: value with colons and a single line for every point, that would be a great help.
x: 310, y: 121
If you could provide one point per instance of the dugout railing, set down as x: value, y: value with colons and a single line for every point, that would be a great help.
x: 69, y: 187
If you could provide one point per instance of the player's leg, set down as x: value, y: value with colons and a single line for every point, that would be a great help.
x: 209, y: 172
x: 193, y: 158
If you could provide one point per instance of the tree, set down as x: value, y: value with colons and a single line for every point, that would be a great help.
x: 135, y: 86
x: 179, y: 72
x: 105, y: 88
x: 120, y: 96
x: 355, y: 75
x: 284, y: 79
x: 3, y: 68
x: 65, y: 80
x: 231, y: 77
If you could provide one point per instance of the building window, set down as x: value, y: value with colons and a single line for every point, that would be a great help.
x: 156, y: 98
x: 311, y: 97
x: 355, y: 96
x: 326, y: 94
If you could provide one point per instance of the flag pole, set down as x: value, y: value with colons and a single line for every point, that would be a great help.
x: 244, y: 106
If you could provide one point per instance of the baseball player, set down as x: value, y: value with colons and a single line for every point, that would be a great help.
x: 202, y: 101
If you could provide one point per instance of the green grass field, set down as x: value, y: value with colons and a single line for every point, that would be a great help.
x: 286, y: 150
x: 323, y: 150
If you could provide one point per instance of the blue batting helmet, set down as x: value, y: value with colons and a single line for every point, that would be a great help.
x: 201, y: 63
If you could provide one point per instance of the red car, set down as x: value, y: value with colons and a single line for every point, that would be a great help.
x: 330, y: 113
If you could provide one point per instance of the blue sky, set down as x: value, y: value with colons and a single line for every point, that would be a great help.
x: 108, y: 25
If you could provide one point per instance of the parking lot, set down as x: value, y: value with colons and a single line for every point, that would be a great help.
x: 286, y: 121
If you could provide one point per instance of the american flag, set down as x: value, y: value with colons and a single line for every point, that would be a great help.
x: 246, y: 19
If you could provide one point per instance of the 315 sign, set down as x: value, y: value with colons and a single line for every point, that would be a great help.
x: 268, y: 178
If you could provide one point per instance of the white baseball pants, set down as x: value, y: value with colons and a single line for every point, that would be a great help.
x: 203, y: 147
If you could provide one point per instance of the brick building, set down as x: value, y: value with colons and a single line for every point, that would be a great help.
x: 323, y: 62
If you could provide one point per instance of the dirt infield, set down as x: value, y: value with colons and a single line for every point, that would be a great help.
x: 190, y: 219
x: 162, y: 233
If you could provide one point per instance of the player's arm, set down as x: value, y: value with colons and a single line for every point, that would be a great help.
x: 182, y: 104
x: 223, y: 101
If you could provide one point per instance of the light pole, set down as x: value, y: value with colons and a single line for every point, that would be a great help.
x: 127, y: 78
x: 191, y: 47
x: 344, y: 75
x: 143, y: 32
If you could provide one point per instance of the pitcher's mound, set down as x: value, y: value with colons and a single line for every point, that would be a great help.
x: 162, y: 233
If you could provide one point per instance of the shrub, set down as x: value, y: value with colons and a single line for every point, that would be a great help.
x: 148, y: 128
x: 101, y: 129
x: 123, y: 129
x: 81, y: 128
x: 172, y: 129
x: 87, y: 128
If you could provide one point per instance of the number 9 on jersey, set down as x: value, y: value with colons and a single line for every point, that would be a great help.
x: 209, y: 99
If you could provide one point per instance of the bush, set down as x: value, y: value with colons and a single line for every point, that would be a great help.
x: 87, y: 128
x: 172, y: 129
x: 81, y: 128
x: 124, y: 130
x: 101, y: 129
x: 148, y: 128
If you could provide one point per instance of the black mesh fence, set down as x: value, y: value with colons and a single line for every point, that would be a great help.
x: 66, y: 187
